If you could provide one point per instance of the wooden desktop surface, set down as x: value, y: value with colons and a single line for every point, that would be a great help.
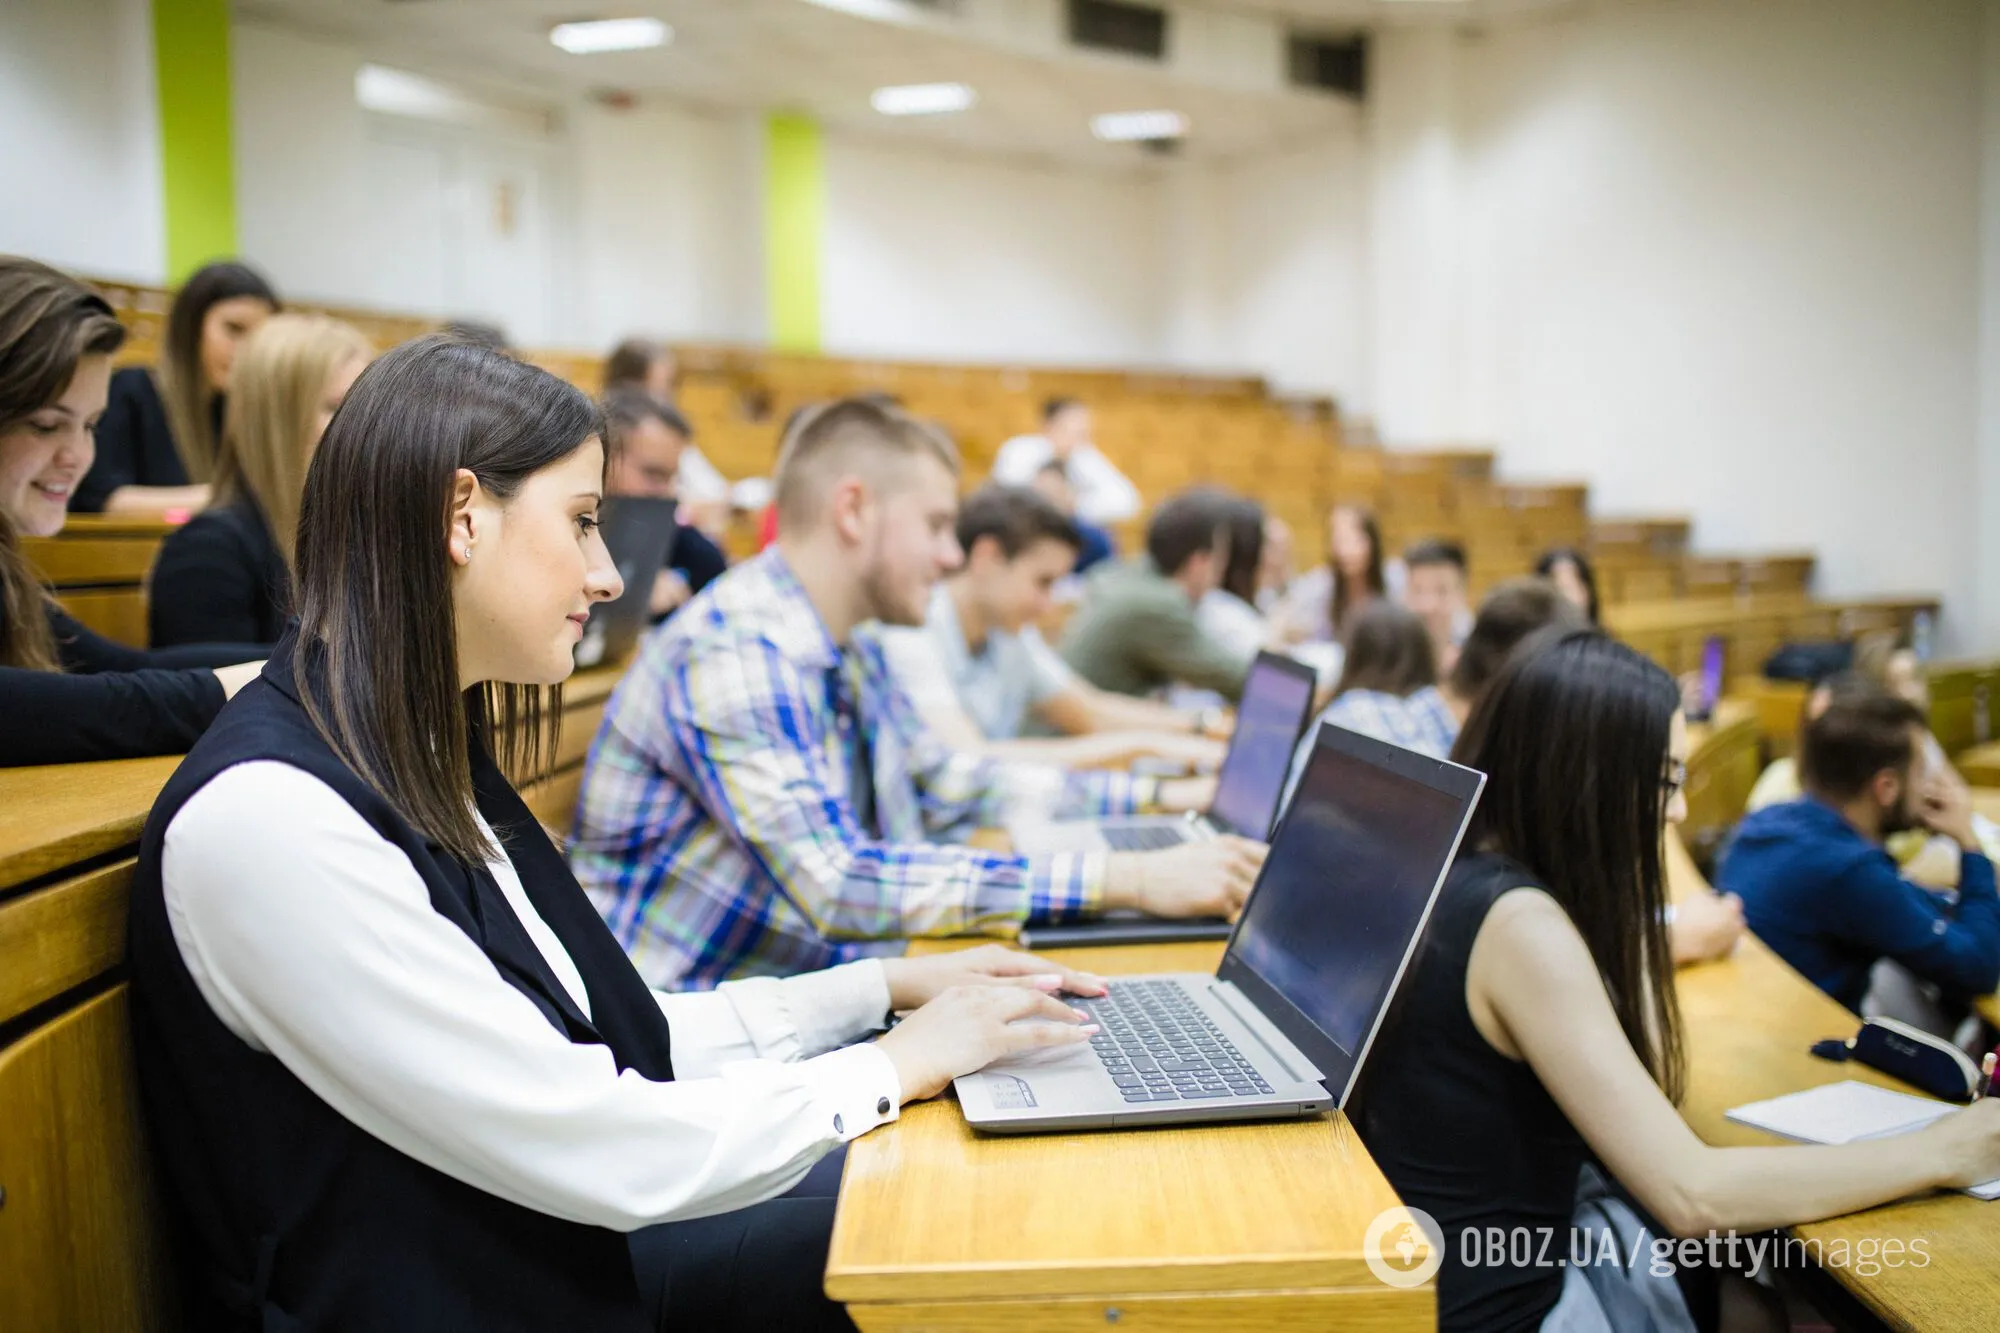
x: 1750, y: 1023
x: 1248, y: 1226
x: 58, y: 815
x: 53, y: 816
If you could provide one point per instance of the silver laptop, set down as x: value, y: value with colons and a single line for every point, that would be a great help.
x: 1283, y: 1026
x: 1277, y: 701
x: 639, y: 534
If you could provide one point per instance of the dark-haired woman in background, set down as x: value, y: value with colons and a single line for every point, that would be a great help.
x: 1569, y: 569
x: 399, y: 1072
x: 1321, y: 602
x: 157, y: 442
x: 1539, y: 1017
x: 66, y: 694
x: 1228, y: 613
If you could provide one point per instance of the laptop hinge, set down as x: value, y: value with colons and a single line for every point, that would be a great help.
x: 1288, y: 1056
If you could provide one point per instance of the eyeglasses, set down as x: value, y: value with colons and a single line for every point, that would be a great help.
x: 1675, y: 780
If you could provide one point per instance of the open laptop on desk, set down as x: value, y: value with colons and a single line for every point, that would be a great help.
x: 639, y: 534
x: 1277, y: 702
x: 1283, y: 1026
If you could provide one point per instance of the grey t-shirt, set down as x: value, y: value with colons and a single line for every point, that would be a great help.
x: 997, y: 686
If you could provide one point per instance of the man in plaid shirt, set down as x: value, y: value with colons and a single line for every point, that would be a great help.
x: 761, y: 796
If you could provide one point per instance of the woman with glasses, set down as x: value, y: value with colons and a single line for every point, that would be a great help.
x: 1539, y: 1028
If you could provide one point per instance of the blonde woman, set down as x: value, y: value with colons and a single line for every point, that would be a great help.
x: 227, y: 576
x: 157, y: 443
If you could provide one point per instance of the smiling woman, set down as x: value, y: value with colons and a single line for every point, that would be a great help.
x: 66, y: 694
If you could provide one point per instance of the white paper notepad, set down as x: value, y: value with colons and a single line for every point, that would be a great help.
x: 1848, y: 1112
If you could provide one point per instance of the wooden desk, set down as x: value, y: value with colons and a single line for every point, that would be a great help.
x: 1750, y: 1021
x: 62, y: 814
x: 1253, y: 1226
x: 98, y: 566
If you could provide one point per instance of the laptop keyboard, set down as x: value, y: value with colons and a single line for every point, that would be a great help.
x: 1158, y: 1046
x: 1143, y: 837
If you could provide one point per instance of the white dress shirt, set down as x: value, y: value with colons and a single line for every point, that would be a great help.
x: 313, y: 939
x: 1103, y: 493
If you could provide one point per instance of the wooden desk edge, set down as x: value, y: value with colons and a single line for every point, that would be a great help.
x: 1084, y: 1278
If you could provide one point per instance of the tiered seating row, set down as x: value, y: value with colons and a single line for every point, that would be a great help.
x: 1170, y: 431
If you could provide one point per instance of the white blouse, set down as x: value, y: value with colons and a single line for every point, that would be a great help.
x: 313, y: 939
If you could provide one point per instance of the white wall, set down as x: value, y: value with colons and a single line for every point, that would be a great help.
x: 1986, y: 514
x: 1295, y: 246
x: 302, y: 214
x: 80, y: 137
x: 1715, y: 258
x: 959, y: 258
x: 671, y: 234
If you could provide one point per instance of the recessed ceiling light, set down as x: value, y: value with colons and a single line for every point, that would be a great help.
x: 922, y: 99
x: 600, y: 35
x: 1126, y: 126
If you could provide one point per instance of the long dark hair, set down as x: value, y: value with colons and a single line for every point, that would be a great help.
x: 48, y: 323
x: 1577, y: 719
x: 1577, y: 560
x: 1343, y: 591
x: 1245, y: 521
x: 1388, y: 649
x: 186, y: 392
x: 377, y: 666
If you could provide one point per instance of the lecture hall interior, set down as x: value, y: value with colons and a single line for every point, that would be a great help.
x: 935, y: 665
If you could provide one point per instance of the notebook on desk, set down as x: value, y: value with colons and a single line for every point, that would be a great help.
x: 1849, y: 1112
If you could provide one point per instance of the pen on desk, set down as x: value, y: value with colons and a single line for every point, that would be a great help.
x: 1985, y: 1088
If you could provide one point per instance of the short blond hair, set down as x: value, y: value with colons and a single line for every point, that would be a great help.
x: 848, y: 435
x: 273, y: 393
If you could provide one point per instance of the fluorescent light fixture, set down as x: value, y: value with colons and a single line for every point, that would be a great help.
x: 1127, y: 126
x: 601, y: 35
x: 922, y: 99
x: 889, y: 11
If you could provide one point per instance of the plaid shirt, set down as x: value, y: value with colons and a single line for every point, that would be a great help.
x: 717, y: 832
x: 1422, y: 722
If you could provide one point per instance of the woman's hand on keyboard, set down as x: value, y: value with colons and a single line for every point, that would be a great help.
x: 914, y: 982
x: 1209, y: 877
x: 969, y: 1027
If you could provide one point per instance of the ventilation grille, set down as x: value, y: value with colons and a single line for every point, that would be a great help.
x: 1107, y: 25
x: 1330, y: 64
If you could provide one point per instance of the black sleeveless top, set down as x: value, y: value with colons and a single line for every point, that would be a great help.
x: 290, y: 1217
x: 1466, y: 1134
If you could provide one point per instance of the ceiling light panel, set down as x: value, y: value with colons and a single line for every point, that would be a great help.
x: 1128, y: 126
x: 601, y: 35
x: 922, y: 99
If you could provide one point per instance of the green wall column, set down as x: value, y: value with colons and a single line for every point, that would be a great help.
x: 191, y: 74
x: 794, y: 223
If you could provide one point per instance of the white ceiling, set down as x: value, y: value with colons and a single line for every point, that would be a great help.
x: 788, y: 54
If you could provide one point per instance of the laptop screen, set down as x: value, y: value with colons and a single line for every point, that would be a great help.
x: 1276, y: 700
x: 1345, y: 892
x: 1713, y: 651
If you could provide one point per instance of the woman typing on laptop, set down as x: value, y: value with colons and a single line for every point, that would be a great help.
x: 1540, y: 1014
x: 400, y: 1074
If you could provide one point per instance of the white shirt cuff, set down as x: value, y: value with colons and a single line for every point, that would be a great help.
x: 854, y: 1090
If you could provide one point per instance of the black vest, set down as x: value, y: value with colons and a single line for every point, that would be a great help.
x: 292, y: 1217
